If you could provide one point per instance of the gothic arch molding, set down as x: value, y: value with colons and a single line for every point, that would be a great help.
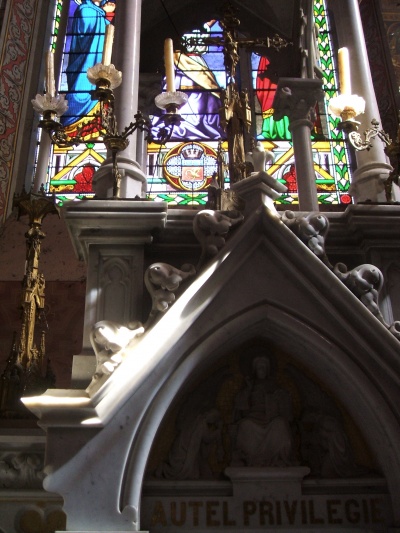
x: 329, y: 361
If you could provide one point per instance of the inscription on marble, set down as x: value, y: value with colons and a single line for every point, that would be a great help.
x: 222, y: 513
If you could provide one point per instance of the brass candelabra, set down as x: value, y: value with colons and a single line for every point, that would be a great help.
x: 347, y: 107
x: 28, y: 370
x: 106, y: 78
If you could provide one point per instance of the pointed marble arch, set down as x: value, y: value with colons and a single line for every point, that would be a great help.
x: 330, y: 361
x: 98, y: 446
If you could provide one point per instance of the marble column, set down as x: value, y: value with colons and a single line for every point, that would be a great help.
x: 296, y: 98
x: 372, y: 166
x: 125, y: 57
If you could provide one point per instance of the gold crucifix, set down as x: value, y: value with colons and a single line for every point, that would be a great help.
x: 235, y: 112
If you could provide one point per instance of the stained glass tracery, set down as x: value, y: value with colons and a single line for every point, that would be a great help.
x: 200, y: 73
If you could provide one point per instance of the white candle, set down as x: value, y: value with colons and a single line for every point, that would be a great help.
x: 50, y: 81
x: 169, y: 65
x: 108, y: 44
x: 344, y: 71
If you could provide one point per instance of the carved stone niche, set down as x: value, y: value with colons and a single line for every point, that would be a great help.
x: 250, y: 443
x: 24, y: 505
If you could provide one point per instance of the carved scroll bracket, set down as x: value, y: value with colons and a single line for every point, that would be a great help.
x: 364, y: 281
x: 211, y: 229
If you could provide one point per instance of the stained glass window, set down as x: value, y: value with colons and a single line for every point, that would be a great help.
x: 330, y: 156
x: 334, y: 148
x: 180, y: 171
x: 56, y: 24
x: 201, y: 73
x: 71, y: 169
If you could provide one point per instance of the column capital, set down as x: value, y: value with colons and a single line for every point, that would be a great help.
x: 296, y: 99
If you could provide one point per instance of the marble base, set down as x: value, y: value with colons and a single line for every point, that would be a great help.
x: 368, y: 182
x: 83, y: 368
x: 133, y: 181
x: 267, y: 482
x: 258, y: 189
x: 395, y: 193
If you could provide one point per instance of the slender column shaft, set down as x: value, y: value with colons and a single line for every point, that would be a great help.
x: 372, y: 165
x: 301, y: 135
x: 126, y: 57
x: 296, y: 98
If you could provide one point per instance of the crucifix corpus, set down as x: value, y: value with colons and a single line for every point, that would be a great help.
x: 235, y: 112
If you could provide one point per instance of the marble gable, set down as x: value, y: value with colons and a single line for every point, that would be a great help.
x: 294, y: 330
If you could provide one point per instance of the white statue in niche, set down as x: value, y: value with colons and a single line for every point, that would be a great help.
x: 189, y: 454
x: 328, y: 449
x: 259, y: 157
x: 263, y: 412
x: 109, y: 340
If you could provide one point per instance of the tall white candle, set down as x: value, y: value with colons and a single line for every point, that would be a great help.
x: 50, y: 81
x: 108, y: 44
x: 169, y: 64
x: 344, y: 71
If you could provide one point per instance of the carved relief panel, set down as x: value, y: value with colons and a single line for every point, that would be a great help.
x: 120, y: 294
x: 252, y: 443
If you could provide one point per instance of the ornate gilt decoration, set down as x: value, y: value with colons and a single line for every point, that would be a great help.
x: 235, y: 112
x: 27, y: 368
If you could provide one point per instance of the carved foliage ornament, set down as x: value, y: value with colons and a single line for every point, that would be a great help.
x: 162, y: 281
x: 109, y: 341
x: 20, y: 470
x: 211, y: 229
